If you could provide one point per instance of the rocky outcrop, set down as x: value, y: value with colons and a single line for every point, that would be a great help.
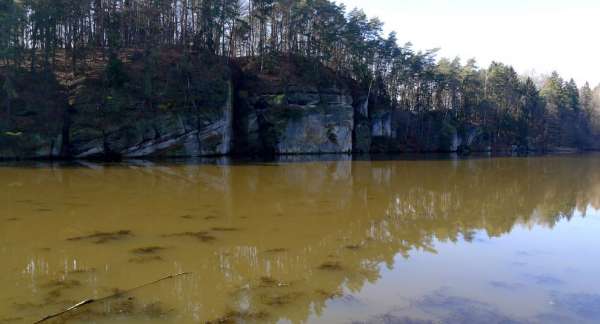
x: 176, y: 133
x: 362, y: 138
x: 294, y: 119
x: 196, y: 109
x: 30, y: 145
x: 381, y: 129
x: 32, y: 123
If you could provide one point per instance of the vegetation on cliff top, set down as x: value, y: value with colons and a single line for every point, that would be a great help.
x: 61, y: 42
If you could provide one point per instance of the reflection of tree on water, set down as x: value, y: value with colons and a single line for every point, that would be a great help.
x: 315, y: 229
x: 490, y: 195
x: 426, y: 201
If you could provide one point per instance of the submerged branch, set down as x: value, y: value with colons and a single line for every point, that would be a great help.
x: 90, y: 301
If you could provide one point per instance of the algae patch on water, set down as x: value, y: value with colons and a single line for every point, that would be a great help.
x: 147, y: 250
x: 56, y: 288
x: 331, y: 266
x: 225, y: 229
x: 79, y: 271
x: 232, y: 317
x: 269, y: 282
x: 146, y: 259
x: 279, y: 299
x: 201, y: 236
x: 329, y: 294
x: 103, y: 237
x: 123, y: 307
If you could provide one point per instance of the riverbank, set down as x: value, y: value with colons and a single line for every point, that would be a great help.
x: 278, y: 159
x: 202, y: 106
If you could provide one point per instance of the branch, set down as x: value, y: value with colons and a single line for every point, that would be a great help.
x: 90, y: 301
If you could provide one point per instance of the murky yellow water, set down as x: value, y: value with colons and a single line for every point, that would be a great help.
x: 502, y: 240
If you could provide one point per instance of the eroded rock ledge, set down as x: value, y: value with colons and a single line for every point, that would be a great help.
x: 198, y: 108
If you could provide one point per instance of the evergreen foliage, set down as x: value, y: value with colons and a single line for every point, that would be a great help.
x: 39, y: 34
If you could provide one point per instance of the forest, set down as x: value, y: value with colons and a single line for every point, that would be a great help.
x: 57, y: 41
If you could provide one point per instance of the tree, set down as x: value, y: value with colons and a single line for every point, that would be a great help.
x: 554, y: 96
x: 531, y: 117
x: 11, y: 26
x: 92, y: 35
x: 502, y: 92
x: 9, y: 92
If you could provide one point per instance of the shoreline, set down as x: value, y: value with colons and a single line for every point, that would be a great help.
x: 299, y: 158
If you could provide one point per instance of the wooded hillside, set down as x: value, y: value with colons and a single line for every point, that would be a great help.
x: 63, y: 41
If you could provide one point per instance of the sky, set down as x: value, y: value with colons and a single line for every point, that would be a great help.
x: 534, y: 36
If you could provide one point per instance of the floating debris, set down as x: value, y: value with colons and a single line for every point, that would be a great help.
x: 545, y: 280
x: 155, y: 310
x: 202, y: 236
x: 80, y: 271
x: 147, y: 250
x: 391, y: 318
x: 146, y: 259
x: 278, y: 300
x: 129, y: 307
x: 210, y: 217
x: 331, y: 266
x: 506, y: 285
x: 120, y: 306
x: 57, y: 287
x: 12, y: 219
x: 103, y: 237
x: 582, y: 304
x: 53, y: 294
x: 455, y: 309
x: 225, y: 229
x: 126, y: 306
x: 353, y: 247
x: 237, y: 317
x: 329, y: 295
x: 268, y: 282
x: 187, y: 217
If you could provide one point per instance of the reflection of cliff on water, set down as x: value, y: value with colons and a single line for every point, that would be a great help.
x: 289, y: 237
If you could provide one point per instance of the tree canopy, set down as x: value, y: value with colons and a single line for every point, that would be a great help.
x: 39, y: 33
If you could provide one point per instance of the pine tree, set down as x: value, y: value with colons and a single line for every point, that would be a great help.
x: 554, y: 96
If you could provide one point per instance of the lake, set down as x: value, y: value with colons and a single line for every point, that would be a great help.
x: 479, y: 240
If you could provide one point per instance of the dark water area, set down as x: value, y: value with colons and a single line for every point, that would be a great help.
x: 319, y: 239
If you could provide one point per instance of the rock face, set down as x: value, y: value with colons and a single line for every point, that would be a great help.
x: 197, y: 108
x: 32, y: 125
x: 294, y: 119
x: 381, y: 129
x: 176, y: 133
x: 362, y: 138
x: 31, y: 145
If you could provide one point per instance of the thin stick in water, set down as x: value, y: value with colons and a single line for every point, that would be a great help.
x: 90, y: 301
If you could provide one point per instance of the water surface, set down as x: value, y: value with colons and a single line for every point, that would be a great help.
x: 490, y: 240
